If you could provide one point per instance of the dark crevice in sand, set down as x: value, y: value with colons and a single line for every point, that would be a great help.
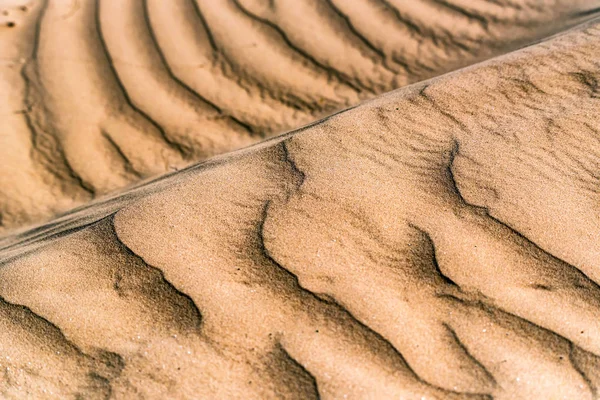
x: 87, y: 186
x: 463, y: 12
x: 486, y: 304
x: 588, y: 80
x: 451, y: 183
x: 209, y: 35
x: 294, y: 167
x: 362, y: 39
x: 127, y: 166
x: 311, y: 377
x: 313, y: 61
x: 488, y: 374
x: 434, y: 261
x: 126, y: 249
x: 117, y: 284
x: 37, y: 31
x: 46, y: 322
x: 116, y: 369
x: 181, y: 149
x: 593, y: 389
x: 423, y: 32
x: 495, y: 312
x: 412, y: 27
x: 105, y: 381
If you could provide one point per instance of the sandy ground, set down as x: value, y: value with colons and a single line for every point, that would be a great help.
x: 440, y: 241
x: 98, y: 95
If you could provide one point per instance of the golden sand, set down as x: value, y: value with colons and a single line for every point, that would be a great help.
x: 439, y: 241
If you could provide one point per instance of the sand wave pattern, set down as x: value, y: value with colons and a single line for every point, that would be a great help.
x: 437, y: 242
x: 104, y: 93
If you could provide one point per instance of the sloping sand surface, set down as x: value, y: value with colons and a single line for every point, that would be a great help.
x: 100, y: 94
x: 440, y: 241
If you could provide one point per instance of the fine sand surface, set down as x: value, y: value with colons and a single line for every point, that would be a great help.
x: 439, y: 241
x: 97, y: 95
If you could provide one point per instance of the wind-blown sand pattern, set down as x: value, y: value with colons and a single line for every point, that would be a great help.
x: 100, y: 94
x: 440, y: 241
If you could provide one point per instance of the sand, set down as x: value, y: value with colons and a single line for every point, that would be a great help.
x: 439, y: 241
x: 101, y: 94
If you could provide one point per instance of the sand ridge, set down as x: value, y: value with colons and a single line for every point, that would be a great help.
x: 438, y: 241
x: 101, y: 94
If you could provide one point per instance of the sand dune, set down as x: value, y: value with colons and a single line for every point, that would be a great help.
x: 439, y: 241
x: 100, y: 94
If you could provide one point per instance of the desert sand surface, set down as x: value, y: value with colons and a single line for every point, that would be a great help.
x: 98, y: 95
x: 439, y: 241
